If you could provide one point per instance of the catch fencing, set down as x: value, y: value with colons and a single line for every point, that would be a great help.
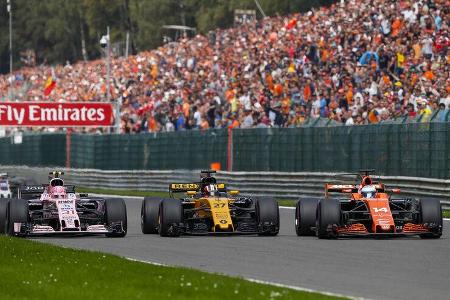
x: 413, y: 149
x: 282, y: 185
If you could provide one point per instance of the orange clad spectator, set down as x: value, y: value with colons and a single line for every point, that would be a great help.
x: 429, y: 75
x: 204, y: 125
x: 278, y: 89
x: 186, y: 108
x: 152, y: 124
x: 396, y: 26
x: 307, y: 92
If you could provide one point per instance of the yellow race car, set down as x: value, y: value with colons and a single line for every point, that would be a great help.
x: 208, y: 207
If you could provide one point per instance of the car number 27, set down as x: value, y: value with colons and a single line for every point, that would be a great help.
x: 219, y: 205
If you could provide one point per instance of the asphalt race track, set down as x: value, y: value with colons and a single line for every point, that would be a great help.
x: 405, y: 268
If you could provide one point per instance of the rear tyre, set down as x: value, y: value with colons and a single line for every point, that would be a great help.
x: 431, y: 213
x: 305, y: 217
x: 149, y: 215
x: 170, y: 217
x: 3, y: 215
x: 267, y: 216
x: 328, y: 214
x: 17, y: 213
x: 116, y: 211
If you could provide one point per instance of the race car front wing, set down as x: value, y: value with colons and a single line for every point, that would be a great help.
x: 28, y: 229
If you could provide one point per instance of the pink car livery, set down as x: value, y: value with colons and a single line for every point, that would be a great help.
x: 55, y: 209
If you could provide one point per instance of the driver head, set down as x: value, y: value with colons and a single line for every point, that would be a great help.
x: 56, y: 182
x: 211, y: 190
x: 368, y: 191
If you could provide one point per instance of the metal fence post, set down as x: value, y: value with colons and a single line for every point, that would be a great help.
x: 68, y: 141
x: 230, y: 149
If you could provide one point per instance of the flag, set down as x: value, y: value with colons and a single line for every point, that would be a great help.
x: 49, y: 86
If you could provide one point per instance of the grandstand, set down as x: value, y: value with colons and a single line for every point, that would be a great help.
x: 353, y: 63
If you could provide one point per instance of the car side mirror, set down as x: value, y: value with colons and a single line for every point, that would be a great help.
x: 233, y: 193
x: 191, y: 193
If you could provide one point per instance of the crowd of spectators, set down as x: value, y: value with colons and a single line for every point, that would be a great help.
x: 355, y: 62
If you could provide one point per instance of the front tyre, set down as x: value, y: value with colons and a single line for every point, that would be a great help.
x: 116, y: 217
x: 17, y: 214
x: 149, y: 215
x: 305, y: 217
x: 3, y: 215
x: 431, y: 214
x: 267, y: 216
x: 328, y: 215
x: 170, y: 217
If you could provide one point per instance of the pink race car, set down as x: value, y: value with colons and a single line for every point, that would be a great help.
x: 55, y: 209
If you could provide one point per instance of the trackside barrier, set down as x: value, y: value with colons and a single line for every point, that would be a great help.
x: 283, y: 185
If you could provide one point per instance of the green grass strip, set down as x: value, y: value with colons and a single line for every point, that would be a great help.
x: 122, y: 192
x: 291, y: 203
x: 33, y: 270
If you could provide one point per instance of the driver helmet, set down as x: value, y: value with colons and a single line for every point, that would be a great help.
x: 211, y: 189
x: 56, y: 182
x: 58, y: 192
x: 368, y: 191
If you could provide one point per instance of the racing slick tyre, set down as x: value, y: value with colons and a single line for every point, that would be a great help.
x: 17, y: 213
x: 328, y: 214
x: 267, y: 216
x: 3, y: 215
x: 116, y: 211
x: 170, y: 217
x: 149, y: 215
x: 431, y: 213
x: 305, y: 217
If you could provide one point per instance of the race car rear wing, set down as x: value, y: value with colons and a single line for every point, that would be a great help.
x: 31, y: 189
x: 340, y: 188
x: 39, y: 189
x: 348, y: 188
x: 185, y: 187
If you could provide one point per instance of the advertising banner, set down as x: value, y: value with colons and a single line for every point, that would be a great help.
x: 53, y: 114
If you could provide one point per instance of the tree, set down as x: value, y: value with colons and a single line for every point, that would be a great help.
x: 70, y: 30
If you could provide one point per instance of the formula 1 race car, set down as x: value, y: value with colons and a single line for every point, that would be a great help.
x: 5, y: 189
x: 208, y: 208
x: 367, y: 210
x: 55, y: 209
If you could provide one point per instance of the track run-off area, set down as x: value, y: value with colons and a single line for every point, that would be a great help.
x: 395, y: 268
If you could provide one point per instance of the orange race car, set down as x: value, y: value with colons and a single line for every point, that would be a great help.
x: 368, y: 209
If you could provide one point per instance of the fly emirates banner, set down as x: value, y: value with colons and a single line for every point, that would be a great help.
x: 52, y: 114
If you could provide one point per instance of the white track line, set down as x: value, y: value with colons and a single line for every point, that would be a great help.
x: 280, y: 285
x: 287, y: 207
